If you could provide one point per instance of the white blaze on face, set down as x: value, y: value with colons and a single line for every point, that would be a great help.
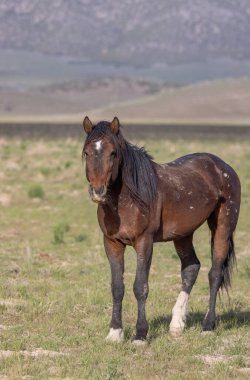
x: 179, y: 313
x: 98, y: 145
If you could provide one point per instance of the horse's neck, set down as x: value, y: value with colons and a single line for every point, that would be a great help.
x: 118, y: 195
x: 119, y: 191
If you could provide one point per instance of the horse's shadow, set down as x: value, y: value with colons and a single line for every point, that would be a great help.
x: 230, y: 320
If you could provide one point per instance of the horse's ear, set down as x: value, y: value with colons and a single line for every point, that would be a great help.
x: 115, y: 125
x: 87, y: 125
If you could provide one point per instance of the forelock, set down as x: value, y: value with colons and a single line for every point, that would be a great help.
x: 100, y: 131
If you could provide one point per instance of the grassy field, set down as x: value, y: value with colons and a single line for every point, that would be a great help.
x: 55, y: 301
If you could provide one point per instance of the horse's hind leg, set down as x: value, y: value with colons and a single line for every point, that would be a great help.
x: 190, y: 266
x: 222, y: 224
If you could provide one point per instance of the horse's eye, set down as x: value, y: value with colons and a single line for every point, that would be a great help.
x: 113, y: 154
x: 85, y: 155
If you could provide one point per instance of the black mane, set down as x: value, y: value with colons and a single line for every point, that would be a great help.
x: 137, y: 167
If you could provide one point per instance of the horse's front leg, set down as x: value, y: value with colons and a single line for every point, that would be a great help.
x: 144, y: 249
x: 115, y: 254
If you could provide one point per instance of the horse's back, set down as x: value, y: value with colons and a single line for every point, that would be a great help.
x: 211, y: 167
x: 190, y: 188
x: 229, y: 180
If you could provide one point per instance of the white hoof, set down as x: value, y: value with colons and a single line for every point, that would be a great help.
x: 176, y: 327
x: 115, y: 335
x: 176, y: 333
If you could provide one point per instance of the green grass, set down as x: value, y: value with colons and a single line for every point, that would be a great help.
x: 36, y: 191
x: 56, y: 297
x: 59, y: 231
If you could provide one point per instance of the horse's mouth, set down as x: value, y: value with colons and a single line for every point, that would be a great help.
x: 97, y: 199
x: 98, y: 196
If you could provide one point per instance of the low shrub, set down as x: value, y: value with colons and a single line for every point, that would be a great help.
x: 59, y: 231
x: 36, y: 191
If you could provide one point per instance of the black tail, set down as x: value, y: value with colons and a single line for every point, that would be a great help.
x: 227, y: 268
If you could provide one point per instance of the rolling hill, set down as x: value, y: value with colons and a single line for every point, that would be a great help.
x: 212, y: 102
x: 223, y: 102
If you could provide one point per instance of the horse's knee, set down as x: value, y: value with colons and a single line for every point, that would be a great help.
x: 140, y: 290
x: 117, y: 292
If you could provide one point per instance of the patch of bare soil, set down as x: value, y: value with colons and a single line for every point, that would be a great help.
x: 245, y: 370
x: 218, y: 358
x: 5, y: 199
x: 214, y: 359
x: 12, y: 166
x: 244, y: 252
x: 11, y: 302
x: 21, y: 378
x: 34, y: 354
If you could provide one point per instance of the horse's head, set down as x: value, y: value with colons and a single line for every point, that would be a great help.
x: 101, y: 152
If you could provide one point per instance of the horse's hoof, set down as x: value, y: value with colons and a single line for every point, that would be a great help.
x: 206, y: 332
x: 176, y: 328
x: 115, y: 335
x: 208, y: 326
x: 139, y: 342
x: 176, y: 333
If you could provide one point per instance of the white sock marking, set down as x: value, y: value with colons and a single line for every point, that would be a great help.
x: 179, y: 313
x: 115, y: 335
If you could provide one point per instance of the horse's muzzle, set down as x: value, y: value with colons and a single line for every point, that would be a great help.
x: 98, y: 195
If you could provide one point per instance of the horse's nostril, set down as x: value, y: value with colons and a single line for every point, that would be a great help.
x: 100, y: 190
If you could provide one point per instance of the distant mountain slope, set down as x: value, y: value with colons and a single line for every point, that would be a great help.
x: 219, y: 101
x: 135, y: 32
x: 212, y: 102
x: 72, y: 97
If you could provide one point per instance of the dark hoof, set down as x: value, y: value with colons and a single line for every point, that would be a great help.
x: 140, y: 334
x: 208, y: 326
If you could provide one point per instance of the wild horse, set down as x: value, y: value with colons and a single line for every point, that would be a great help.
x: 141, y: 202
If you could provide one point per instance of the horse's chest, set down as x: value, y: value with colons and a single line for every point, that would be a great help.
x: 124, y: 225
x: 128, y: 230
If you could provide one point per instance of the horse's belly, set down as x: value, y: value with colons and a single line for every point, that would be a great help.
x: 176, y: 229
x: 185, y: 217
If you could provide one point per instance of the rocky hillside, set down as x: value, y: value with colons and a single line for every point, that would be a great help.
x: 136, y: 32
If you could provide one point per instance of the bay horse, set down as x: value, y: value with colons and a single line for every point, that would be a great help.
x: 141, y: 202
